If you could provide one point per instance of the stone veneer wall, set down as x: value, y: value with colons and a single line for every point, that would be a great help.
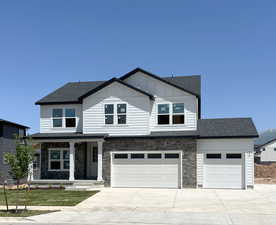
x: 80, y: 157
x: 187, y: 145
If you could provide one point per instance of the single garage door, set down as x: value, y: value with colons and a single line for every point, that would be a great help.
x: 146, y: 169
x: 223, y: 170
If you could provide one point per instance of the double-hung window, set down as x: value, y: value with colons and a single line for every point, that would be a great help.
x: 118, y: 116
x: 121, y: 113
x: 164, y: 114
x: 168, y: 114
x: 58, y: 159
x: 178, y: 113
x: 64, y: 118
x: 70, y: 118
x: 109, y: 113
x: 57, y: 117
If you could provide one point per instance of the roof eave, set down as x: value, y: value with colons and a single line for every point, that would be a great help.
x: 57, y: 102
x: 238, y: 136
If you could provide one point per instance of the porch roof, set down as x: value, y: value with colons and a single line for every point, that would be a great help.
x: 47, y: 136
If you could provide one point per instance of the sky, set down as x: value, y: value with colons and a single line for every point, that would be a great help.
x: 231, y: 44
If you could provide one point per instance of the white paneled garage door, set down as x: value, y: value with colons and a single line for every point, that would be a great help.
x: 146, y: 169
x: 223, y: 170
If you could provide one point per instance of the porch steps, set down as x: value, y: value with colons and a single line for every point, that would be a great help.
x: 85, y: 185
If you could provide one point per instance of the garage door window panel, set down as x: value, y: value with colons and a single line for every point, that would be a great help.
x: 137, y: 156
x: 213, y: 156
x: 233, y: 156
x: 154, y: 156
x: 171, y: 155
x: 120, y: 156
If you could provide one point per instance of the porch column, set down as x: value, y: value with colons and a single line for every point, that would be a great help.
x: 30, y: 172
x: 100, y: 161
x: 72, y: 161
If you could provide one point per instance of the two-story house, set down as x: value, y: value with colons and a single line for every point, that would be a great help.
x: 142, y: 130
x: 8, y: 131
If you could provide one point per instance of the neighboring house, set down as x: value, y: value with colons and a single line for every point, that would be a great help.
x: 142, y: 130
x: 8, y: 130
x: 265, y: 146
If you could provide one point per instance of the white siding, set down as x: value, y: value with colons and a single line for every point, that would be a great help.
x: 269, y: 155
x: 245, y: 146
x: 166, y: 93
x: 138, y: 107
x: 46, y: 125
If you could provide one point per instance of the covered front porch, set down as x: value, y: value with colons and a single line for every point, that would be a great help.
x: 66, y: 160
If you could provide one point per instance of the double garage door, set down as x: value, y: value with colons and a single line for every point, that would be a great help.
x: 146, y: 169
x: 223, y: 170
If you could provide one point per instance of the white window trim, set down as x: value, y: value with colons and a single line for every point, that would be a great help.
x: 61, y: 160
x: 115, y: 114
x: 170, y: 114
x: 63, y: 118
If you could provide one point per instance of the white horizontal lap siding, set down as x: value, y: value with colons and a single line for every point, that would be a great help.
x: 137, y: 111
x: 46, y: 123
x: 166, y: 93
x: 269, y: 155
x: 244, y: 146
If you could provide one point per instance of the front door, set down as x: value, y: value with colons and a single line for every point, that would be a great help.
x: 92, y: 161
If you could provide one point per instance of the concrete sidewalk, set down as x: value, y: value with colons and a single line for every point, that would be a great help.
x: 171, y: 206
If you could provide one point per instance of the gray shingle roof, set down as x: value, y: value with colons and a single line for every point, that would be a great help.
x: 13, y: 124
x: 266, y: 137
x: 191, y: 83
x: 227, y: 127
x: 71, y: 92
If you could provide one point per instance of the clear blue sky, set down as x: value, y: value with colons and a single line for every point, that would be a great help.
x: 232, y: 44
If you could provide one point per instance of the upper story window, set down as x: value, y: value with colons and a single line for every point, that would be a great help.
x: 109, y: 113
x: 57, y: 117
x: 120, y: 113
x: 178, y: 113
x: 64, y: 119
x: 170, y: 114
x: 70, y: 118
x: 164, y: 114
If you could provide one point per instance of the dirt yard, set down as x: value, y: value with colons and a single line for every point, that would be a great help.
x: 265, y: 173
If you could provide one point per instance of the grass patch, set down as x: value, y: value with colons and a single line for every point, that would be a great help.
x: 23, y: 213
x: 46, y: 197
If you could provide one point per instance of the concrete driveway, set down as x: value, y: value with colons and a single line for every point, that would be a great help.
x: 170, y: 206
